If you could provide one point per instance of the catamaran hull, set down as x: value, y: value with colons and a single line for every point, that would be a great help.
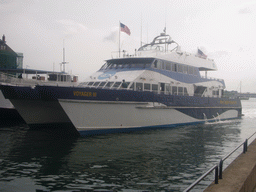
x: 8, y: 114
x: 95, y: 111
x: 47, y: 115
x: 99, y: 117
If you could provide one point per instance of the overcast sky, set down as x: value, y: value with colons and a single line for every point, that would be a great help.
x: 224, y: 29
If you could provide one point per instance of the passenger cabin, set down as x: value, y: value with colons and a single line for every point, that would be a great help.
x: 156, y: 68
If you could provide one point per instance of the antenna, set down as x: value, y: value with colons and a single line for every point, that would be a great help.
x: 165, y: 20
x: 63, y: 62
x: 165, y: 28
x: 141, y: 31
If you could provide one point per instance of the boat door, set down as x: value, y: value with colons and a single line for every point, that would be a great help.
x: 162, y: 87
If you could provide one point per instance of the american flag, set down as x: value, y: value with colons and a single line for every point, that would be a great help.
x: 201, y: 54
x: 125, y: 29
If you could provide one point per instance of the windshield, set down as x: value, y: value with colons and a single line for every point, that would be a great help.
x: 127, y: 63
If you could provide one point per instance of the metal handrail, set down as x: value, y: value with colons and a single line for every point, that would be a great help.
x: 215, y: 167
x: 220, y: 167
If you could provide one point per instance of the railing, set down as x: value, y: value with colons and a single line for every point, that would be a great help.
x: 14, y: 80
x: 219, y: 167
x: 212, y: 78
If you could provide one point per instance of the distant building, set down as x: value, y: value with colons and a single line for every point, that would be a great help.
x: 8, y: 58
x: 19, y: 60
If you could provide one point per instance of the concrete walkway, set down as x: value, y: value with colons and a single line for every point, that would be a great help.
x: 240, y: 175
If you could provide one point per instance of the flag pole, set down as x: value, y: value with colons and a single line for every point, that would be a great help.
x: 141, y: 31
x: 119, y: 40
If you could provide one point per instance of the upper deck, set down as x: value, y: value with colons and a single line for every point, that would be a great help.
x: 164, y: 48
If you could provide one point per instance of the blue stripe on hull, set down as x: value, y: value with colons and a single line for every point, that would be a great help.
x: 128, y: 130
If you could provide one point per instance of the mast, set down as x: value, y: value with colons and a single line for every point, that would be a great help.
x: 63, y: 62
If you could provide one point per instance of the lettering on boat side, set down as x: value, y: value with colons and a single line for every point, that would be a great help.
x: 85, y: 93
x: 228, y: 102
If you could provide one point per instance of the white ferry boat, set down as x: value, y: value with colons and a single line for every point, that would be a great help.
x: 159, y: 86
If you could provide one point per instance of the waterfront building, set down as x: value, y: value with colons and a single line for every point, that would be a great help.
x: 9, y: 59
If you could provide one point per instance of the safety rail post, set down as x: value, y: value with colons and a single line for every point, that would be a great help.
x: 221, y: 168
x: 245, y: 145
x: 216, y: 175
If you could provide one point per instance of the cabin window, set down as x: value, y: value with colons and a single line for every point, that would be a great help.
x: 174, y: 90
x: 185, y: 91
x: 108, y: 65
x: 215, y: 93
x: 162, y: 64
x: 139, y: 86
x: 180, y: 90
x: 132, y: 86
x: 190, y: 70
x: 104, y: 66
x: 199, y: 90
x: 133, y: 65
x: 90, y: 83
x: 174, y: 67
x: 109, y: 84
x: 146, y: 87
x: 180, y: 68
x: 167, y: 88
x: 162, y: 87
x: 147, y: 65
x: 140, y: 65
x: 154, y: 87
x: 83, y: 84
x: 168, y: 66
x: 111, y: 66
x: 185, y: 69
x: 116, y: 85
x: 102, y: 84
x: 159, y: 64
x: 126, y: 66
x: 119, y: 66
x: 96, y: 84
x: 155, y: 64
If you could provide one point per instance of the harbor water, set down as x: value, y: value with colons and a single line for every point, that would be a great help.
x: 154, y: 160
